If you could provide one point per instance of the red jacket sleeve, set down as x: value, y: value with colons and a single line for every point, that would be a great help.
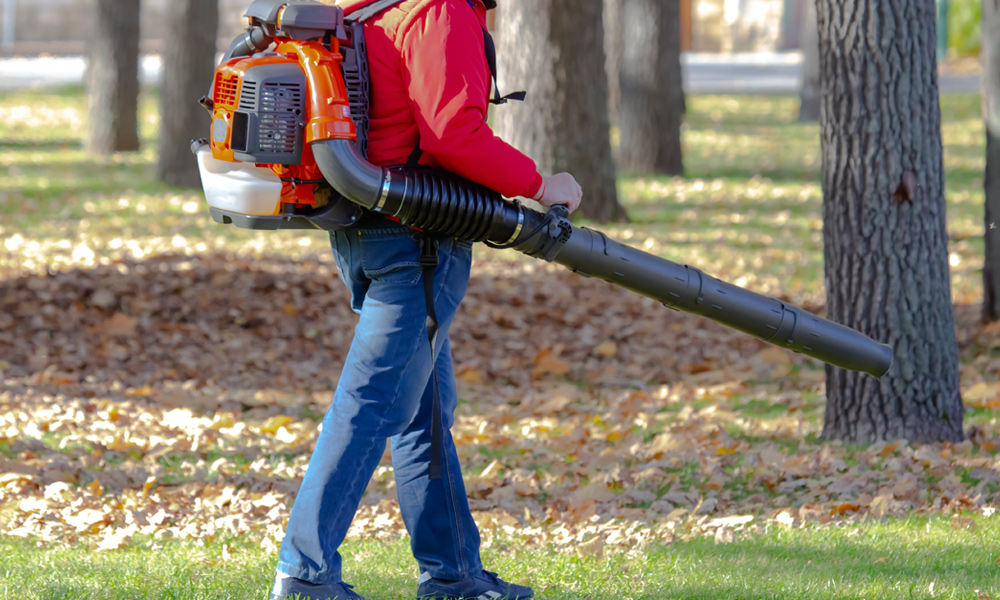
x: 448, y: 81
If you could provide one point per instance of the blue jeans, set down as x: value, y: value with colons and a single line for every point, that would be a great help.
x: 386, y: 392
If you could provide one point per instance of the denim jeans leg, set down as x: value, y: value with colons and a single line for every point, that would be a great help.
x: 386, y: 372
x: 443, y: 535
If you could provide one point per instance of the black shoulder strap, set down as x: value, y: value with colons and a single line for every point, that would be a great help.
x: 491, y: 60
x: 415, y: 154
x: 363, y: 14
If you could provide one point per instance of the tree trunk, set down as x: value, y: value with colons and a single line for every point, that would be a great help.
x: 555, y: 50
x: 113, y: 78
x: 990, y: 44
x: 614, y: 51
x: 884, y: 236
x: 652, y: 95
x: 188, y: 67
x: 809, y: 92
x: 991, y: 262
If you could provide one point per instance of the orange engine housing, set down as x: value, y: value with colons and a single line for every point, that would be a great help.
x: 268, y: 107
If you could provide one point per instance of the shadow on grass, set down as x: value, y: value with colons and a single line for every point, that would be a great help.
x: 744, y: 123
x: 72, y: 91
x: 42, y: 145
x: 83, y: 174
x: 733, y: 174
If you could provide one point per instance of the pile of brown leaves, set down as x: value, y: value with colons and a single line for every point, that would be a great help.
x: 178, y: 397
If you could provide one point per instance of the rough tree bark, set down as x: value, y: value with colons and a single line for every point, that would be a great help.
x: 113, y: 78
x: 652, y: 97
x: 884, y: 236
x: 652, y: 94
x: 188, y: 66
x: 554, y: 49
x: 990, y: 51
x: 809, y: 91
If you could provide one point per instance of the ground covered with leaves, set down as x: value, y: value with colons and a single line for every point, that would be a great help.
x: 179, y: 396
x: 163, y: 378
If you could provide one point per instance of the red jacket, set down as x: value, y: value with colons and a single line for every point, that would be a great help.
x: 430, y: 82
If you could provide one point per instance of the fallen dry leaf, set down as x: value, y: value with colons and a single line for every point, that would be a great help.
x: 119, y: 325
x: 547, y: 362
x: 983, y: 395
x: 607, y: 348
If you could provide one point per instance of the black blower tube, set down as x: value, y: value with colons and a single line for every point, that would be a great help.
x: 445, y: 204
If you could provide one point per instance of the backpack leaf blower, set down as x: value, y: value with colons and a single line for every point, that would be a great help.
x: 287, y: 150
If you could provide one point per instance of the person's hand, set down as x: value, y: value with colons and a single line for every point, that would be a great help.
x: 560, y: 188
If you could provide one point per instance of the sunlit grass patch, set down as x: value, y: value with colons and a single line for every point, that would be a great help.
x: 907, y: 558
x: 52, y: 117
x: 894, y: 559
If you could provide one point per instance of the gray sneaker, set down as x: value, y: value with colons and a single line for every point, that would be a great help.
x: 291, y: 588
x: 485, y: 586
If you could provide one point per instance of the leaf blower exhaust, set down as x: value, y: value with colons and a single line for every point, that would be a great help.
x: 287, y: 150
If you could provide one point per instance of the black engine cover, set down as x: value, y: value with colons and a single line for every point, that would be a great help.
x: 269, y: 125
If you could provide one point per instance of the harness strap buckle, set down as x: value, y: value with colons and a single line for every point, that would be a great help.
x: 429, y: 251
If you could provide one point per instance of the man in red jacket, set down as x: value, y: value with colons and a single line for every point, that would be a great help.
x: 431, y: 84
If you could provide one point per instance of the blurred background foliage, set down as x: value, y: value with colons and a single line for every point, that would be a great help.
x: 963, y: 26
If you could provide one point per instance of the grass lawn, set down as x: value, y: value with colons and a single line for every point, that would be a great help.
x: 162, y: 398
x: 915, y: 557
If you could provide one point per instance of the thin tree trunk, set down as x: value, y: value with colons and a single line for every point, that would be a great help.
x: 991, y: 116
x: 188, y: 65
x: 614, y: 50
x: 555, y: 50
x: 884, y: 235
x: 652, y: 95
x: 113, y: 78
x: 991, y: 218
x: 809, y: 96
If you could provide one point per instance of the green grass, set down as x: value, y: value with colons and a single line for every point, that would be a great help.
x: 916, y: 557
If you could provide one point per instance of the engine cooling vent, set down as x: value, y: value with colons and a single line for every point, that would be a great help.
x: 270, y: 120
x: 225, y: 90
x: 248, y: 96
x: 280, y: 112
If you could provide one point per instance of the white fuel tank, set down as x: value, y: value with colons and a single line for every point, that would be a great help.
x: 238, y: 187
